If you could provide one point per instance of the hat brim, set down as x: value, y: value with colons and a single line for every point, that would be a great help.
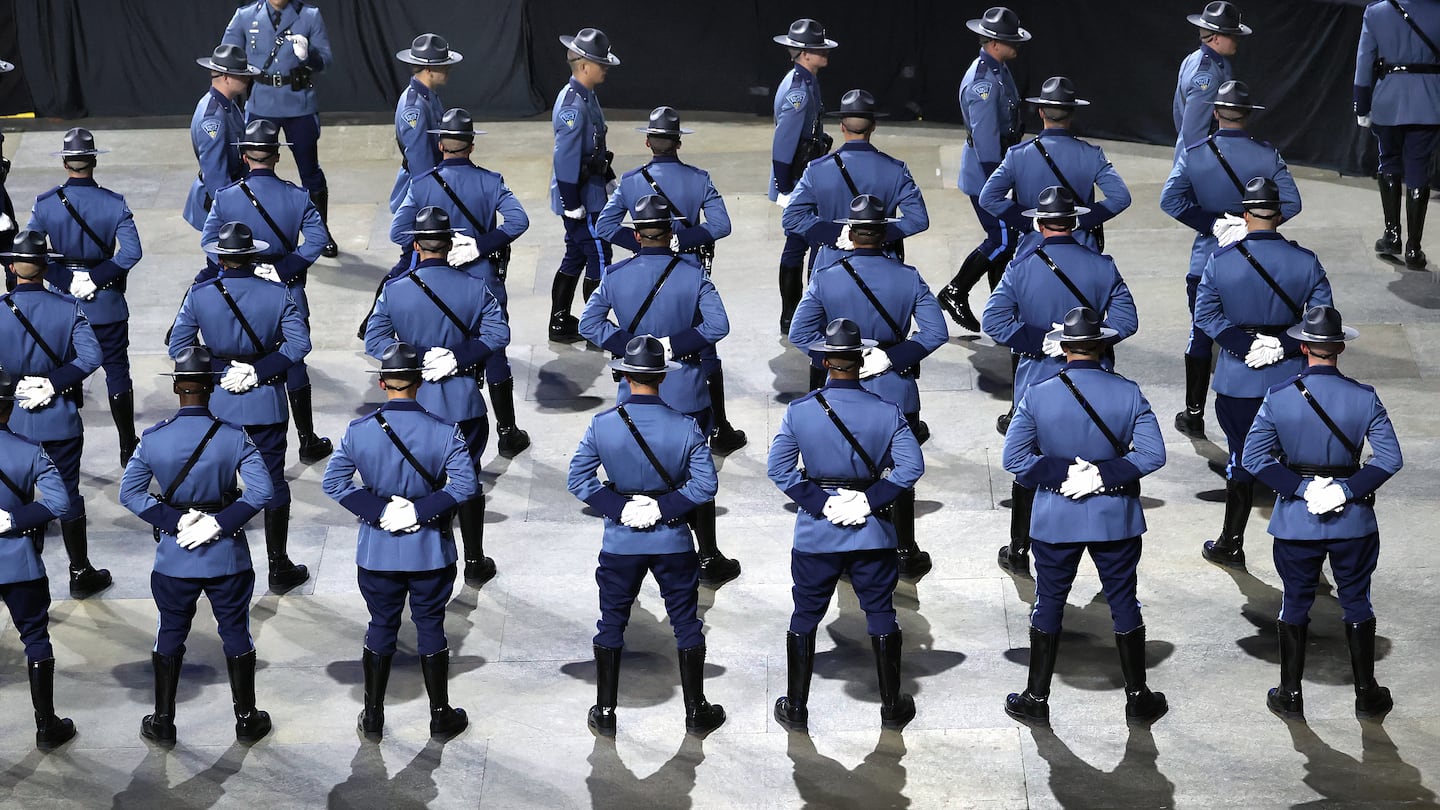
x: 405, y: 56
x: 381, y: 371
x: 448, y: 232
x: 11, y: 256
x: 1058, y: 335
x: 1262, y: 203
x: 784, y: 39
x: 825, y: 348
x: 872, y: 115
x: 978, y: 26
x: 667, y: 221
x: 1232, y: 106
x: 253, y: 145
x: 1036, y: 213
x: 209, y: 62
x: 621, y: 366
x: 190, y: 374
x: 79, y: 152
x: 1347, y: 333
x: 455, y: 133
x: 1045, y: 102
x: 260, y: 246
x: 609, y: 59
x: 1200, y: 22
x: 672, y: 133
x: 885, y: 221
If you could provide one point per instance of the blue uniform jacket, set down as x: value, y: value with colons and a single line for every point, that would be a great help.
x: 687, y: 309
x: 60, y: 321
x: 691, y: 194
x: 810, y: 446
x: 162, y: 453
x: 1050, y: 430
x: 109, y: 266
x: 1198, y: 84
x: 822, y: 196
x: 797, y: 115
x: 206, y: 318
x: 1288, y: 427
x: 291, y: 208
x: 418, y: 111
x: 678, y: 445
x: 1198, y: 190
x: 1232, y: 295
x: 1016, y: 184
x: 384, y: 471
x: 580, y: 129
x: 990, y: 105
x: 405, y: 313
x: 214, y: 128
x: 1030, y: 297
x: 41, y: 499
x: 252, y: 30
x: 899, y: 287
x: 1392, y: 99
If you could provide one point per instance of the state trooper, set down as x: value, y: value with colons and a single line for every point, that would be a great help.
x: 660, y: 470
x: 580, y: 176
x: 215, y: 127
x: 1044, y: 283
x: 1250, y: 294
x: 829, y: 184
x: 1055, y: 157
x: 473, y: 197
x: 92, y: 227
x: 666, y: 294
x: 286, y: 215
x: 414, y: 471
x: 990, y: 105
x: 33, y: 494
x: 799, y: 138
x: 419, y: 110
x: 1397, y: 95
x: 1084, y: 439
x: 255, y: 333
x: 452, y: 317
x: 8, y: 226
x: 1203, y: 192
x: 859, y: 458
x: 201, y: 548
x: 701, y: 221
x: 46, y: 341
x: 1205, y: 71
x: 288, y: 41
x: 883, y: 297
x: 1305, y: 444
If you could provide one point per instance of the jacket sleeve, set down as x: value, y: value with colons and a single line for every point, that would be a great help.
x: 713, y: 327
x: 1365, y: 55
x: 995, y: 199
x: 339, y: 484
x: 584, y: 484
x: 1116, y: 200
x: 596, y: 326
x: 717, y: 220
x: 258, y: 490
x: 1178, y: 200
x: 87, y: 355
x: 1259, y: 457
x: 782, y: 467
x: 569, y: 151
x: 51, y: 501
x: 1147, y: 452
x: 1210, y: 315
x: 702, y: 483
x: 914, y: 218
x: 460, y: 482
x: 514, y: 222
x: 127, y: 253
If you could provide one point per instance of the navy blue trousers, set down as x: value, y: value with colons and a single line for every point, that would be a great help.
x: 1236, y: 415
x: 29, y: 605
x: 477, y: 433
x: 1353, y: 559
x: 793, y: 254
x: 1200, y: 345
x: 270, y: 441
x: 1055, y: 566
x: 303, y: 134
x: 229, y: 597
x: 874, y: 573
x: 619, y: 577
x: 66, y: 455
x: 114, y: 339
x: 584, y: 249
x: 997, y: 233
x: 1406, y: 149
x: 385, y: 593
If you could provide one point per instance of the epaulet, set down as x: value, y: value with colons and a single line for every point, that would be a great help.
x: 1199, y: 143
x: 1222, y: 251
x: 631, y: 173
x: 211, y: 104
x: 607, y: 411
x: 229, y: 424
x: 617, y: 265
x: 209, y: 282
x: 1285, y: 383
x: 1027, y: 252
x: 1358, y: 384
x: 49, y: 193
x: 805, y: 398
x: 1300, y: 247
x: 230, y: 185
x: 157, y: 426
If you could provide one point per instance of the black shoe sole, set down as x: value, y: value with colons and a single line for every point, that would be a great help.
x: 330, y: 251
x: 731, y: 442
x: 87, y: 592
x: 282, y: 583
x: 319, y: 451
x: 788, y: 724
x: 566, y: 337
x: 488, y: 573
x: 1222, y: 560
x: 372, y: 736
x: 515, y: 446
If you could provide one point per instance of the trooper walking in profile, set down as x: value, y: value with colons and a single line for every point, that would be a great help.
x: 1205, y: 71
x: 216, y: 125
x: 418, y: 112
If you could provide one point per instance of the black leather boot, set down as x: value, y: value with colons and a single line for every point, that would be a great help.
x: 1371, y: 699
x: 792, y: 287
x: 724, y: 439
x: 587, y: 289
x: 50, y: 731
x: 1286, y: 700
x: 1141, y: 705
x: 791, y: 709
x: 1191, y: 421
x: 918, y: 427
x: 715, y: 568
x: 912, y: 562
x: 160, y: 726
x: 85, y: 579
x: 607, y: 691
x: 251, y: 724
x: 1416, y: 201
x: 1015, y: 557
x: 284, y: 574
x: 1002, y: 422
x: 1389, y: 243
x: 564, y: 327
x: 479, y: 569
x: 510, y: 440
x: 377, y: 676
x: 312, y: 448
x: 955, y: 297
x: 995, y: 270
x: 701, y: 716
x: 1228, y: 549
x: 445, y: 722
x: 321, y: 198
x: 896, y: 708
x: 122, y: 410
x: 1033, y: 705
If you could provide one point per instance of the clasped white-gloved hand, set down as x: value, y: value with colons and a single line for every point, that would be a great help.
x: 439, y: 364
x: 399, y: 516
x: 82, y: 286
x: 1363, y: 120
x: 577, y: 212
x: 674, y: 243
x: 874, y: 363
x: 1052, y: 348
x: 301, y: 45
x: 7, y: 522
x: 847, y: 507
x: 239, y: 378
x: 187, y: 519
x: 1083, y: 478
x: 782, y: 200
x: 842, y: 242
x: 268, y: 272
x: 34, y: 392
x: 462, y: 251
x: 1323, y: 495
x: 6, y: 223
x: 665, y: 346
x: 203, y: 530
x: 1229, y: 229
x: 641, y: 512
x: 1264, y: 350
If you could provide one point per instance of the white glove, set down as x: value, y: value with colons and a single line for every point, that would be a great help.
x: 674, y: 243
x: 301, y: 45
x: 202, y: 531
x: 842, y: 242
x: 439, y: 364
x: 1321, y: 500
x: 1264, y: 350
x: 1229, y: 229
x: 267, y: 271
x: 6, y: 522
x: 665, y: 345
x: 782, y: 200
x: 188, y: 519
x: 81, y: 285
x: 239, y: 378
x: 399, y: 516
x: 1083, y: 478
x: 6, y: 223
x: 847, y: 508
x: 875, y: 363
x: 34, y: 392
x: 575, y: 213
x: 462, y: 251
x: 1052, y: 348
x: 641, y: 512
x: 1363, y: 120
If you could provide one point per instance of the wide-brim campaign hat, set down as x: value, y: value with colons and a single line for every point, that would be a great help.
x: 432, y: 220
x: 1058, y: 91
x: 230, y: 60
x: 806, y: 34
x: 429, y: 50
x: 644, y: 355
x: 652, y: 209
x: 842, y: 336
x: 1222, y: 18
x: 591, y: 44
x: 1322, y: 324
x: 261, y: 133
x: 456, y: 123
x: 664, y: 121
x: 236, y: 239
x: 79, y: 142
x: 1055, y: 202
x: 30, y: 246
x: 1081, y: 324
x: 866, y: 209
x: 398, y: 358
x: 857, y: 103
x: 193, y: 361
x: 999, y: 23
x: 1261, y: 192
x: 1235, y: 94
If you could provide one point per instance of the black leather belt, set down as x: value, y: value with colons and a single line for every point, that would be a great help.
x: 1273, y: 330
x: 237, y: 358
x: 847, y: 483
x: 1386, y: 69
x: 1129, y: 490
x: 86, y: 263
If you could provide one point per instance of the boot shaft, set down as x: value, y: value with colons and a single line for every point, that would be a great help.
x: 471, y: 517
x: 241, y: 669
x: 1131, y: 647
x: 1390, y: 193
x: 42, y: 688
x: 167, y: 683
x: 706, y: 540
x: 377, y: 676
x: 799, y: 666
x: 1360, y: 636
x: 1197, y: 383
x: 1293, y: 639
x: 1044, y: 648
x: 277, y: 533
x: 1417, y: 200
x: 1239, y: 498
x: 607, y: 676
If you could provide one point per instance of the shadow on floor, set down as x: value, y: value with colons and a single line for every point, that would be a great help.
x: 1135, y: 782
x: 611, y: 784
x: 877, y: 782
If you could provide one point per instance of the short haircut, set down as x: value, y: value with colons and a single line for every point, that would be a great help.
x: 1057, y: 223
x: 434, y: 244
x: 865, y: 125
x: 652, y: 379
x: 1089, y: 348
x: 663, y: 144
x: 409, y: 378
x: 1056, y: 113
x: 795, y: 53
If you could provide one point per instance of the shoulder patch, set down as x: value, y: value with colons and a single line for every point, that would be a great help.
x: 211, y: 126
x: 1202, y: 81
x: 568, y: 116
x: 981, y: 90
x: 795, y: 98
x: 410, y: 115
